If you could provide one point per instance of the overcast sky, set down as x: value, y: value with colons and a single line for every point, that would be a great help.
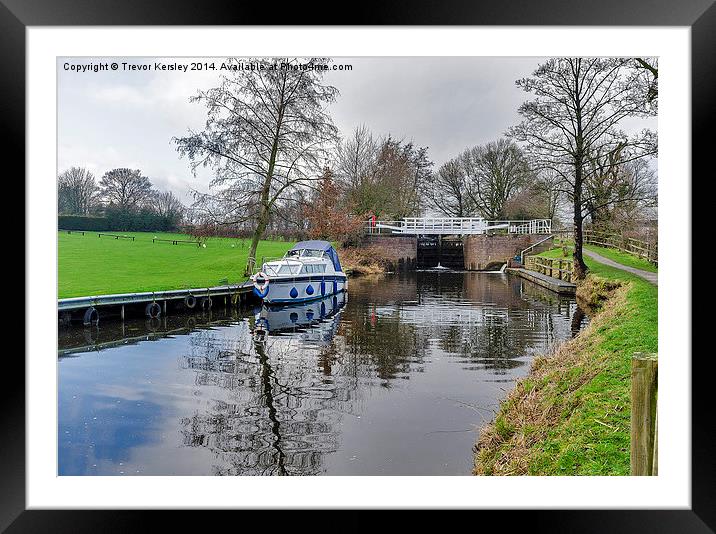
x: 127, y: 118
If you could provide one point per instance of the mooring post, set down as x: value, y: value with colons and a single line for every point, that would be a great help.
x: 165, y: 307
x: 122, y: 312
x: 644, y: 366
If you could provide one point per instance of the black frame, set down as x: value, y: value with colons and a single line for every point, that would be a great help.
x: 700, y: 15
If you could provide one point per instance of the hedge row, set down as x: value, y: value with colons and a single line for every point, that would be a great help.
x: 80, y: 222
x: 117, y: 222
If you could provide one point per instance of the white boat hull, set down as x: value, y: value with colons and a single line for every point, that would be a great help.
x: 301, y: 288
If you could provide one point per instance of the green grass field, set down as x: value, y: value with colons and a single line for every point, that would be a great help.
x: 91, y: 265
x: 571, y: 417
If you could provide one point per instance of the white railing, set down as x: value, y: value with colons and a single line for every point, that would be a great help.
x: 457, y: 225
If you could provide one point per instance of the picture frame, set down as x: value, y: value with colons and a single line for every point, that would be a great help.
x: 699, y: 15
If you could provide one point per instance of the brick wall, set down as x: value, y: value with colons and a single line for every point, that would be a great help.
x: 486, y: 252
x: 401, y: 251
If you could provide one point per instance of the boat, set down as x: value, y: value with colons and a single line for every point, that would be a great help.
x: 309, y: 271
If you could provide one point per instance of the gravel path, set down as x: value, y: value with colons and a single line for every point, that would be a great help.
x: 646, y: 275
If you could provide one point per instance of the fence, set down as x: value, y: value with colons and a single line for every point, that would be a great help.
x: 457, y: 225
x: 643, y: 249
x: 561, y: 268
x: 637, y: 247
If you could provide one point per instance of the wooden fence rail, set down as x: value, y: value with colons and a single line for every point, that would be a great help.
x: 644, y: 449
x: 643, y: 249
x: 637, y: 247
x: 561, y: 268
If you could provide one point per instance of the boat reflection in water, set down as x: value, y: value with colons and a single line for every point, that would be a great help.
x: 316, y: 321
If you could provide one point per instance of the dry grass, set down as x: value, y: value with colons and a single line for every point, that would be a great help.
x: 360, y: 261
x: 547, y: 396
x: 594, y: 291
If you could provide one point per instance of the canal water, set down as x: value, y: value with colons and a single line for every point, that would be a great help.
x: 394, y: 378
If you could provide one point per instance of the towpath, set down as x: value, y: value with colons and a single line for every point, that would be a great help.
x: 646, y: 275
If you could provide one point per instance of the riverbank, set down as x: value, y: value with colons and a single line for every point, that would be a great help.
x: 570, y: 415
x: 365, y: 260
x: 92, y: 265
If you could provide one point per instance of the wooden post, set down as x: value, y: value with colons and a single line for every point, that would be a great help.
x: 644, y: 374
x: 655, y: 461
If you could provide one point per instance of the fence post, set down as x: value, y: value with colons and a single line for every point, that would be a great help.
x: 655, y: 461
x: 644, y: 374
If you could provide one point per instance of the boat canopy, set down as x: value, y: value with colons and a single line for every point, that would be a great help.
x: 323, y: 246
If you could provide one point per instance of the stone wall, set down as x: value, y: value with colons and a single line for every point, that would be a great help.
x: 487, y: 252
x: 401, y: 251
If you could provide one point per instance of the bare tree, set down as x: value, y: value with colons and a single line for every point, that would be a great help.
x: 356, y: 158
x: 494, y: 172
x: 579, y: 104
x: 645, y: 81
x: 125, y: 189
x: 479, y: 181
x: 167, y: 205
x: 76, y: 191
x: 265, y: 136
x: 446, y: 191
x: 422, y: 170
x: 548, y: 184
x: 397, y: 172
x: 381, y: 176
x: 618, y: 183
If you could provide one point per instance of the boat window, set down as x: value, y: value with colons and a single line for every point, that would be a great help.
x: 312, y: 253
x: 286, y: 269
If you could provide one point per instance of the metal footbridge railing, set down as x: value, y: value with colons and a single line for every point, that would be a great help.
x: 457, y: 226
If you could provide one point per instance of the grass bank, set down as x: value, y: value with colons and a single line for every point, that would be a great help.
x: 91, y: 265
x: 570, y: 415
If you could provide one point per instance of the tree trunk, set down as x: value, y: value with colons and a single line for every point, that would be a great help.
x: 265, y: 207
x: 258, y: 234
x: 265, y: 203
x: 580, y: 268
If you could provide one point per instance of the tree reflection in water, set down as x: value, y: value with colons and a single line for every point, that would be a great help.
x: 294, y: 374
x: 278, y: 422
